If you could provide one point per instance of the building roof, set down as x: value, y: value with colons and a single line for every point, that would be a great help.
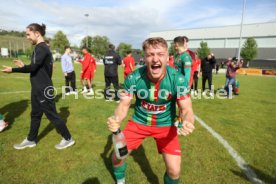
x: 267, y: 29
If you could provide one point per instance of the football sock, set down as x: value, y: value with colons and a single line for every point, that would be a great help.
x: 168, y: 180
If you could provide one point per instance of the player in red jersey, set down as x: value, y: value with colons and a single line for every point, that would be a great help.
x: 92, y: 68
x: 129, y: 64
x: 171, y: 61
x: 195, y: 74
x: 86, y: 71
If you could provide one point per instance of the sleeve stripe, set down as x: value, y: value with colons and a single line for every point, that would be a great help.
x: 184, y: 97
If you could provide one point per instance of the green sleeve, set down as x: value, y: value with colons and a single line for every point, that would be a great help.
x: 182, y: 86
x: 186, y: 66
x: 129, y: 84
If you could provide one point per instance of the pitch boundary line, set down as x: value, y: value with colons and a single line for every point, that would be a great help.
x: 251, y: 175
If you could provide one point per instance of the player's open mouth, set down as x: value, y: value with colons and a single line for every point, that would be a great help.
x: 155, y: 67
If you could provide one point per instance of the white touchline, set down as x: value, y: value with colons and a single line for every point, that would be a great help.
x: 13, y: 92
x: 251, y: 175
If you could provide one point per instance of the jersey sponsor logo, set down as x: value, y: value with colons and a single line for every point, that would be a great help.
x: 152, y: 108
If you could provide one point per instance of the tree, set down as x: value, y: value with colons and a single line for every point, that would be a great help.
x: 172, y: 50
x: 12, y: 33
x: 203, y: 51
x: 249, y: 50
x: 87, y: 42
x: 59, y: 42
x: 29, y: 51
x: 97, y: 45
x: 123, y: 48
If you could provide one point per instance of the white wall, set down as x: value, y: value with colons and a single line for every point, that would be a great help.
x: 268, y: 42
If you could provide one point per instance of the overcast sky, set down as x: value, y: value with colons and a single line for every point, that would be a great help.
x: 129, y: 21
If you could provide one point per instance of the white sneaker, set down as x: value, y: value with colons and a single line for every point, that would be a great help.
x: 67, y: 94
x: 3, y: 126
x: 91, y: 92
x: 195, y: 93
x: 64, y: 143
x: 211, y: 94
x: 108, y: 99
x: 204, y: 93
x: 25, y: 144
x: 192, y: 92
x: 121, y: 181
x: 84, y: 91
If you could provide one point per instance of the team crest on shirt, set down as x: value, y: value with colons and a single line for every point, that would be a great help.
x: 152, y: 108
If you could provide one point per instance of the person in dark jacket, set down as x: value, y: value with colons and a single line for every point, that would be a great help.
x: 111, y: 61
x: 42, y: 97
x: 207, y: 66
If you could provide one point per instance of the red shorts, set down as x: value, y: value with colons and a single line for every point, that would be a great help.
x: 92, y: 75
x: 165, y: 137
x: 86, y: 75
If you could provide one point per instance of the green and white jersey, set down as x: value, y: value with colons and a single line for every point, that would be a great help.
x: 156, y: 102
x: 183, y: 64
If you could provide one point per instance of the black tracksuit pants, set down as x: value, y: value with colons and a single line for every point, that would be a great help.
x: 195, y: 81
x: 205, y: 77
x: 41, y: 104
x: 70, y: 78
x: 115, y: 81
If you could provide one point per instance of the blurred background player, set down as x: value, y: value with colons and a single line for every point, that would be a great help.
x: 86, y: 72
x: 93, y: 68
x: 111, y: 61
x: 182, y: 60
x: 3, y: 124
x: 68, y: 71
x: 129, y: 64
x: 171, y: 60
x: 196, y: 73
x: 194, y: 63
x: 207, y: 65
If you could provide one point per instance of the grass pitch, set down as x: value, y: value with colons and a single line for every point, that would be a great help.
x: 247, y: 122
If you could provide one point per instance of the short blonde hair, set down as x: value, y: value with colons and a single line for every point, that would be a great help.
x: 154, y: 41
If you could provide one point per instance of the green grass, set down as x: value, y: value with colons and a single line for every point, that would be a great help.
x: 247, y: 122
